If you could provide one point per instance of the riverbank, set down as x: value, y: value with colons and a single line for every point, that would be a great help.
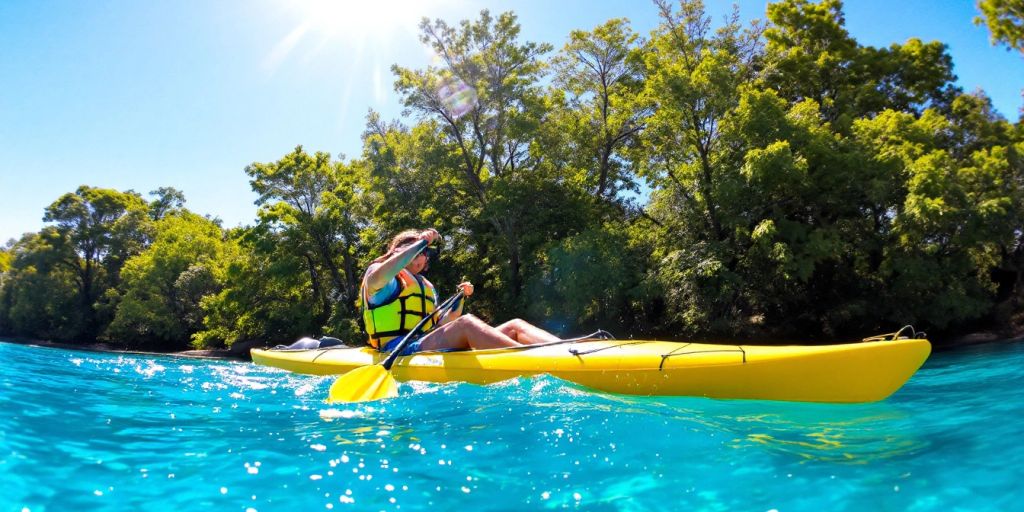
x: 240, y: 350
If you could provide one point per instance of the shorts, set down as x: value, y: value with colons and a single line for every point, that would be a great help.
x: 410, y: 348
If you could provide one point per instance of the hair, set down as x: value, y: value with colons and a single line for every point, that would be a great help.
x: 400, y: 240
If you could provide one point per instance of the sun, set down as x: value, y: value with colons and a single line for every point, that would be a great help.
x: 357, y: 26
x: 359, y: 19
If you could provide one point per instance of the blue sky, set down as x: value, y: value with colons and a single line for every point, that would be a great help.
x: 136, y: 95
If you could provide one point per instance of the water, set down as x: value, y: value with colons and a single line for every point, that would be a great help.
x: 91, y: 431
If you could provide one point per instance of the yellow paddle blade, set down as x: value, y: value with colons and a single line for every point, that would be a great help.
x: 363, y: 385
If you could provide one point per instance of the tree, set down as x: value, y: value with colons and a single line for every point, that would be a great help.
x: 601, y: 72
x: 166, y: 200
x: 810, y: 55
x: 265, y: 294
x: 945, y: 235
x: 486, y: 97
x: 96, y: 230
x: 158, y: 302
x: 694, y: 83
x: 39, y: 297
x: 308, y: 199
x: 5, y: 264
x: 976, y: 125
x: 1005, y: 20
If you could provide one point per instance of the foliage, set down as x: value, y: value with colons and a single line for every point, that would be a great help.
x: 1005, y: 20
x: 95, y: 231
x: 779, y: 180
x: 158, y: 301
x: 601, y: 72
x: 492, y: 133
x: 810, y: 55
x: 266, y: 293
x: 308, y: 201
x: 39, y: 296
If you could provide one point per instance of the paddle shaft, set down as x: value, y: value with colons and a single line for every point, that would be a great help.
x: 439, y: 312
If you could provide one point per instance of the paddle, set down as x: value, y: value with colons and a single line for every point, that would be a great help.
x: 375, y: 382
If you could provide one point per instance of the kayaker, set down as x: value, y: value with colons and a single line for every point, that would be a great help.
x: 395, y: 297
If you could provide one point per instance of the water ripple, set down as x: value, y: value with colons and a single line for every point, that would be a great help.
x: 116, y: 432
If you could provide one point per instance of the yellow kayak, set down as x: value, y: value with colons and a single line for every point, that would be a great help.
x: 855, y: 372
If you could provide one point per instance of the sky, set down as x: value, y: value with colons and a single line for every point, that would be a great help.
x: 136, y: 95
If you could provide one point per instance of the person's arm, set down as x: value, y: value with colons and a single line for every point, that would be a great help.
x: 378, y: 276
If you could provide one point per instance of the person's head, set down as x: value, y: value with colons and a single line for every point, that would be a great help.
x: 403, y: 240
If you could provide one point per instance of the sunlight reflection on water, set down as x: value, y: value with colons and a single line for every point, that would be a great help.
x: 116, y: 432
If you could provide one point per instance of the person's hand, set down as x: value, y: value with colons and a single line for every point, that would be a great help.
x: 467, y: 288
x: 429, y: 234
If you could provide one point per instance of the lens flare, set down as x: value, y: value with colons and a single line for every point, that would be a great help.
x: 457, y: 97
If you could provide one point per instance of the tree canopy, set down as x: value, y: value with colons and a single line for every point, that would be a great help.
x: 778, y: 180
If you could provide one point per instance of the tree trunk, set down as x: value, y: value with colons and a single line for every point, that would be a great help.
x: 319, y: 318
x: 351, y: 283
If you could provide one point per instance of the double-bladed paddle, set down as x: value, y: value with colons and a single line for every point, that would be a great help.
x: 375, y: 382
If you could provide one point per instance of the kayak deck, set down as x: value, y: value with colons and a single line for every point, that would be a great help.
x: 854, y: 372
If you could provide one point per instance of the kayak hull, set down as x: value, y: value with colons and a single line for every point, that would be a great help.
x: 854, y: 372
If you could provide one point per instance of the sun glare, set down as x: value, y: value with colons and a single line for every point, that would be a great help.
x: 355, y: 25
x: 360, y: 19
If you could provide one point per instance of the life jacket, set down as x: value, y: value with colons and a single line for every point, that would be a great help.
x: 415, y: 300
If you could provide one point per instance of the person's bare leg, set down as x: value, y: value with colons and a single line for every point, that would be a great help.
x: 526, y: 333
x: 464, y: 332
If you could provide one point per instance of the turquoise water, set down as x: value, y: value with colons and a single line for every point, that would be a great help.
x: 92, y: 431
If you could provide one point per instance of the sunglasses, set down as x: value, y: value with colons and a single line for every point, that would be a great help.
x: 432, y: 253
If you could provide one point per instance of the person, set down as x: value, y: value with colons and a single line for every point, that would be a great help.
x: 395, y: 296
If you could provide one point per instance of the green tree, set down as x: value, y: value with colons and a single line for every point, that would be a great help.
x: 694, y: 82
x: 158, y: 301
x: 975, y: 125
x: 265, y: 295
x: 165, y: 200
x: 810, y: 55
x: 96, y: 230
x: 308, y: 200
x: 591, y: 280
x: 601, y: 72
x: 5, y: 264
x: 1005, y: 20
x: 954, y: 218
x: 487, y: 100
x: 39, y: 296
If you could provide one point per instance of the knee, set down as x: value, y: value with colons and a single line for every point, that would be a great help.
x: 517, y: 323
x: 468, y: 322
x: 467, y: 319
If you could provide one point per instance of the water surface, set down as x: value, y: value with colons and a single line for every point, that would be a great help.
x: 93, y: 431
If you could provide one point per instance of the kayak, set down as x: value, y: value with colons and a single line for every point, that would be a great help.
x: 854, y: 372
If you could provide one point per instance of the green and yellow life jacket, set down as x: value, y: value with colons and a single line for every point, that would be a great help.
x: 398, y: 315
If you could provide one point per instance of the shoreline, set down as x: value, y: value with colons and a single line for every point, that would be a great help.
x: 234, y: 354
x: 240, y: 350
